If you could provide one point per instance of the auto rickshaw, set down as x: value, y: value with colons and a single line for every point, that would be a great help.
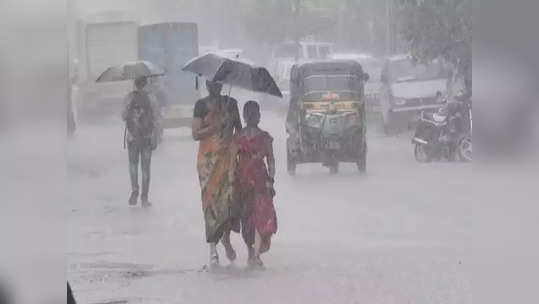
x: 326, y: 121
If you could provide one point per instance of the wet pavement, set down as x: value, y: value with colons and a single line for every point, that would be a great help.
x: 399, y: 234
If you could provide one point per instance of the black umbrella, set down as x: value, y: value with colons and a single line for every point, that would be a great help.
x: 130, y: 71
x: 234, y: 72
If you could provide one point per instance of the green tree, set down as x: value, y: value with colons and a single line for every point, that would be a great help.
x: 439, y: 29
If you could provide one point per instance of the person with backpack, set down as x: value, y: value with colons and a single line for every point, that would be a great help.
x: 141, y: 121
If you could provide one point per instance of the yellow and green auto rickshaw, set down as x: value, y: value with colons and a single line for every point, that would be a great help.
x: 326, y: 117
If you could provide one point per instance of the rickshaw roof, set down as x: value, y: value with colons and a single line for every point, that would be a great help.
x: 329, y: 67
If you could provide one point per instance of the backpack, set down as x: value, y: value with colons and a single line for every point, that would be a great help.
x: 139, y: 119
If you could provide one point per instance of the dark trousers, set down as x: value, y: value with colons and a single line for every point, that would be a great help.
x: 140, y: 151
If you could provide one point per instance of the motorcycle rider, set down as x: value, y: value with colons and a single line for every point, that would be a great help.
x: 453, y: 113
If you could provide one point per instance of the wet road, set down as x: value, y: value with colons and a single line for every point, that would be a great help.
x: 399, y: 234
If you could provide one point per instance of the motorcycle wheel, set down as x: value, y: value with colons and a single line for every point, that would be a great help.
x: 421, y: 154
x: 464, y: 149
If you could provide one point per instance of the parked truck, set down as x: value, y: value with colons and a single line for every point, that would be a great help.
x: 105, y: 39
x: 170, y: 45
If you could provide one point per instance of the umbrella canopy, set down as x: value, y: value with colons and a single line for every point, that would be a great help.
x: 130, y: 71
x: 234, y: 72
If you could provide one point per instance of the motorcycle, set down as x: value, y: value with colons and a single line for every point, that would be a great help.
x: 446, y: 134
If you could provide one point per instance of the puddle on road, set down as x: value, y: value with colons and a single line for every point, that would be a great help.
x: 135, y: 300
x: 103, y: 272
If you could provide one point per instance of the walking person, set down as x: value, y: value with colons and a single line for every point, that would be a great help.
x: 140, y: 119
x: 255, y: 173
x: 216, y: 120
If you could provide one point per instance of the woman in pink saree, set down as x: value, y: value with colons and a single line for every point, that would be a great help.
x: 255, y: 174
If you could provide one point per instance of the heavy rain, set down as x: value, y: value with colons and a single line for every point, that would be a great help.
x: 276, y: 151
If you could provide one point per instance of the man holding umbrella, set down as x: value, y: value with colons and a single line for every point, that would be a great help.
x: 216, y: 120
x: 141, y: 120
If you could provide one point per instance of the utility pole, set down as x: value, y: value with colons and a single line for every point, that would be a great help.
x: 390, y: 27
x: 297, y: 14
x: 341, y: 23
x: 387, y: 27
x: 69, y: 103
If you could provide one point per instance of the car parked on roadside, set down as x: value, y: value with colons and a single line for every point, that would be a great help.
x: 408, y: 88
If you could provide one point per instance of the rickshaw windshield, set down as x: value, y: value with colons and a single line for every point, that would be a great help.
x: 323, y: 87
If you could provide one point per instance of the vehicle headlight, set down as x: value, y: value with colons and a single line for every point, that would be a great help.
x: 399, y: 101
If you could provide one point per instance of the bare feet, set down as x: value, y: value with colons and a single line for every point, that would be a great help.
x: 255, y: 263
x: 214, y: 256
x: 214, y: 261
x: 230, y: 252
x: 133, y: 199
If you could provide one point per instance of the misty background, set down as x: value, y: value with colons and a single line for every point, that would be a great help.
x: 34, y: 64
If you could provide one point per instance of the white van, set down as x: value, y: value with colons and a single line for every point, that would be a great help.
x: 305, y: 50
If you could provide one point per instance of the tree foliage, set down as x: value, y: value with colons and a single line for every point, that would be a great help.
x: 272, y: 21
x: 438, y: 29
